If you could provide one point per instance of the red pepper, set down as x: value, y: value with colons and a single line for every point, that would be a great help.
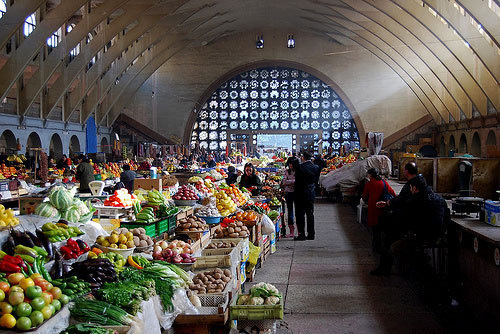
x: 6, y: 266
x: 13, y: 259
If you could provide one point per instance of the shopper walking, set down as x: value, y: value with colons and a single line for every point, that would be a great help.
x: 288, y: 185
x: 377, y: 190
x: 306, y: 176
x: 127, y: 177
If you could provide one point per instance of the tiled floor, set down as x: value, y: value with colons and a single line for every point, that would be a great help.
x: 327, y: 286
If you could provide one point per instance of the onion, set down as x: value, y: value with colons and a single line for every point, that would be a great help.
x: 157, y: 249
x: 177, y: 250
x: 163, y: 244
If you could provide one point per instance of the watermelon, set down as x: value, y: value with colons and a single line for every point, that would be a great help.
x: 45, y: 209
x: 61, y: 198
x: 71, y: 214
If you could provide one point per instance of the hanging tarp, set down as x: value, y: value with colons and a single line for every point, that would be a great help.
x: 91, y: 142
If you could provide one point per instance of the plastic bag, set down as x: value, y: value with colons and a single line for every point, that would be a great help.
x: 253, y: 256
x: 267, y: 225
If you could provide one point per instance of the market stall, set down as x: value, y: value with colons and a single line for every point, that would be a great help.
x: 175, y: 256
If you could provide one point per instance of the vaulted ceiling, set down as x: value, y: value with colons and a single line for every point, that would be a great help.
x: 446, y: 51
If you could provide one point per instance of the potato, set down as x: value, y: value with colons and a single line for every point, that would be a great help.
x: 194, y: 229
x: 237, y: 229
x: 234, y: 235
x: 220, y: 286
x: 150, y: 242
x: 239, y: 224
x: 217, y: 275
x: 226, y: 279
x: 227, y: 273
x: 230, y: 230
x: 143, y: 237
x: 143, y: 243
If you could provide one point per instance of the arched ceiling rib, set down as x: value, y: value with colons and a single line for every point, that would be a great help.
x: 448, y: 77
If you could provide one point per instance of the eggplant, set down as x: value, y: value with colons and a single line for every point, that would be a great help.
x: 62, y: 221
x: 34, y: 238
x: 27, y: 241
x: 82, y: 244
x: 45, y: 242
x: 17, y: 236
x: 9, y: 245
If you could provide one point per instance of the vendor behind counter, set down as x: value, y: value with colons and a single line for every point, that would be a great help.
x: 250, y: 180
x: 84, y: 173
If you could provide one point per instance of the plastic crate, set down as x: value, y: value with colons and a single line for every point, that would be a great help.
x: 150, y: 228
x: 214, y: 261
x: 166, y: 224
x: 255, y: 312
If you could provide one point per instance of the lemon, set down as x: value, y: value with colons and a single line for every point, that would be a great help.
x: 113, y: 246
x: 122, y: 246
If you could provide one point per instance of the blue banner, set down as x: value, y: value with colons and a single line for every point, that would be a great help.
x: 91, y: 136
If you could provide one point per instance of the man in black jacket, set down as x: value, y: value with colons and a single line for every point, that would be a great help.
x: 306, y: 176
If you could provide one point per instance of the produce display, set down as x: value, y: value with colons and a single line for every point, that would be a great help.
x: 145, y: 216
x: 185, y: 193
x: 62, y: 204
x: 225, y: 204
x: 249, y: 217
x: 258, y: 207
x: 72, y: 286
x: 60, y: 231
x: 120, y: 199
x: 231, y: 229
x: 156, y: 198
x: 192, y: 224
x: 141, y: 239
x: 29, y: 301
x: 261, y: 294
x: 235, y: 193
x: 7, y: 217
x: 211, y: 281
x: 209, y: 209
x: 273, y: 215
x: 221, y: 244
x: 94, y: 271
x: 169, y: 180
x: 87, y: 329
x: 116, y: 259
x: 118, y: 239
x: 73, y: 249
x: 176, y: 251
x: 275, y: 202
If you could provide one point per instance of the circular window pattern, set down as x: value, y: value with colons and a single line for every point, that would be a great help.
x: 325, y: 145
x: 254, y: 125
x: 260, y: 99
x: 336, y: 145
x: 244, y: 105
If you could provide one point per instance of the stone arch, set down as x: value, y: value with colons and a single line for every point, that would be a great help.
x: 8, y: 142
x: 56, y: 147
x: 462, y: 145
x: 270, y: 63
x: 33, y: 141
x: 491, y: 140
x: 475, y: 146
x: 451, y: 143
x: 442, y: 147
x: 104, y: 145
x: 74, y: 145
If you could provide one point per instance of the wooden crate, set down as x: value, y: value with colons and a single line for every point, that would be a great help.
x: 195, y: 235
x: 185, y: 213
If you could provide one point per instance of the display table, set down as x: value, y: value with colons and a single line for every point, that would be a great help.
x: 475, y: 264
x: 199, y: 323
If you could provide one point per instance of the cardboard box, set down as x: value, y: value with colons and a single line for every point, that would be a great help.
x: 492, y: 210
x: 27, y: 205
x: 148, y: 184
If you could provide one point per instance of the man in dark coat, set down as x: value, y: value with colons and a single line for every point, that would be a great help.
x: 84, y: 173
x: 127, y: 178
x: 306, y: 176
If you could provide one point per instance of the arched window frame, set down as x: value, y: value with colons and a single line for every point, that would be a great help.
x: 29, y: 25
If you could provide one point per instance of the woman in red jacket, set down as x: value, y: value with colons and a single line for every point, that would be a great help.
x: 372, y: 193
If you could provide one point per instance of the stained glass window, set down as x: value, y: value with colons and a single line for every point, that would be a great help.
x: 275, y: 98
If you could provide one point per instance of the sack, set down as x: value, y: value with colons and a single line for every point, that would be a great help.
x: 267, y: 225
x: 386, y: 195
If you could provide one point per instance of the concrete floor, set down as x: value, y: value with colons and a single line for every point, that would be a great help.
x: 327, y: 286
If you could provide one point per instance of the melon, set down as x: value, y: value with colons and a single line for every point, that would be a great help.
x: 61, y: 198
x: 45, y: 209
